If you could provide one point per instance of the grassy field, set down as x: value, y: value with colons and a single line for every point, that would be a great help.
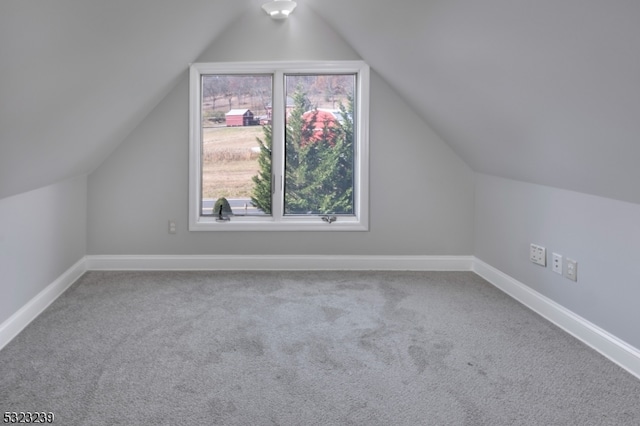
x: 229, y: 162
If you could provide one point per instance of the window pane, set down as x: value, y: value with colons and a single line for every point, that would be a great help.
x: 236, y: 144
x: 319, y: 148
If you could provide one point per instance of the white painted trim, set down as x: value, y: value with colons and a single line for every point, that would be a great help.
x: 292, y: 262
x: 277, y: 221
x: 618, y: 351
x: 11, y: 327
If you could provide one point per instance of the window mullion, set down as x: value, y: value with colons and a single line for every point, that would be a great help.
x: 277, y: 149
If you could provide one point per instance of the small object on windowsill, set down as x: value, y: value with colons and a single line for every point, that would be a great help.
x: 329, y: 219
x: 222, y: 218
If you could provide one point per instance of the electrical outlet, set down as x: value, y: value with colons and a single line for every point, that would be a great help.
x: 538, y: 255
x: 571, y: 269
x: 556, y: 263
x: 172, y: 226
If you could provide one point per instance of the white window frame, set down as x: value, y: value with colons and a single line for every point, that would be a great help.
x: 277, y: 221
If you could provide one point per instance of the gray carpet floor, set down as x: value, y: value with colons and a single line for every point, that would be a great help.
x: 305, y: 348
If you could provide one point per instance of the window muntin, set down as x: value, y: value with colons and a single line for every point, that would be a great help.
x: 339, y: 89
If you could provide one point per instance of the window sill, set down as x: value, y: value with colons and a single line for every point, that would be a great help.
x: 211, y: 224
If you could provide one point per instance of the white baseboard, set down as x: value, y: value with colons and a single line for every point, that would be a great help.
x: 605, y: 343
x: 280, y: 263
x: 23, y: 317
x: 618, y: 351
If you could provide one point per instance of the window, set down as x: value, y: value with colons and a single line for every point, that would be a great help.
x: 279, y: 146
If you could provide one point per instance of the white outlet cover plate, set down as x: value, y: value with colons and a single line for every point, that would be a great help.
x: 571, y: 269
x: 557, y: 263
x: 538, y: 255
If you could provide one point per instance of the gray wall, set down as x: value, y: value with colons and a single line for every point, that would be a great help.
x: 42, y: 234
x: 421, y: 193
x: 602, y: 234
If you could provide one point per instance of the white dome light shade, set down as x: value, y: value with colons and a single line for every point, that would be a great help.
x: 279, y: 9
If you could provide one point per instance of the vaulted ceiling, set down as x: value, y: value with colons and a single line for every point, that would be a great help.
x: 77, y: 76
x: 544, y: 91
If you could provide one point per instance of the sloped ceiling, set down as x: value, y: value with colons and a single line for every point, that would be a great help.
x: 77, y: 76
x: 544, y: 91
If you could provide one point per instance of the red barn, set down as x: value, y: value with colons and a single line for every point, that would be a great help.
x: 323, y: 117
x: 239, y: 117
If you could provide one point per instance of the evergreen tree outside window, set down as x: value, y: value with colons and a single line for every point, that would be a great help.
x: 319, y: 149
x: 308, y: 168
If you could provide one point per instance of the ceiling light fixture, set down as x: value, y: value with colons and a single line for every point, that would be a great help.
x: 279, y: 9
